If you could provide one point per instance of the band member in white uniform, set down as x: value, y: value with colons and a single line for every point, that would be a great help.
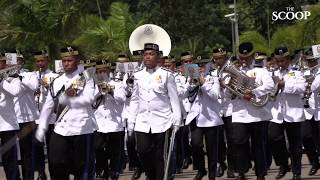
x: 155, y: 108
x: 45, y: 77
x: 219, y: 57
x: 71, y: 143
x: 128, y: 80
x: 288, y: 113
x: 205, y: 121
x: 249, y: 121
x: 110, y: 97
x: 313, y: 83
x: 27, y: 112
x: 9, y: 87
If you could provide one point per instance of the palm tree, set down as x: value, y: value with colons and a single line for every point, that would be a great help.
x: 39, y: 24
x: 110, y: 36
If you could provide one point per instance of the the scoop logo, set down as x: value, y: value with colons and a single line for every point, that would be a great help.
x: 290, y: 14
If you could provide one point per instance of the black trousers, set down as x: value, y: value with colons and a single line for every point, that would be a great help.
x: 242, y: 133
x: 150, y: 148
x: 9, y: 154
x: 183, y: 147
x: 39, y: 151
x: 72, y: 155
x: 211, y: 136
x: 225, y: 145
x: 310, y: 140
x: 108, y: 147
x: 278, y: 144
x: 134, y: 161
x: 27, y: 149
x: 48, y: 138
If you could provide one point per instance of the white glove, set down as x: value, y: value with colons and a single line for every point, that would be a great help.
x: 40, y: 133
x: 175, y: 128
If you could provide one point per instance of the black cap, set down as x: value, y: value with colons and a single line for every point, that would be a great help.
x: 2, y: 57
x: 178, y: 64
x: 69, y: 51
x: 137, y: 53
x: 309, y: 54
x: 218, y: 52
x: 245, y: 49
x: 90, y: 62
x: 151, y: 46
x: 186, y: 55
x: 40, y: 54
x: 260, y: 56
x: 123, y: 58
x: 102, y: 63
x: 202, y: 59
x: 281, y: 52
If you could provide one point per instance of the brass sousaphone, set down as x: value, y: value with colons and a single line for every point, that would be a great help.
x: 150, y: 33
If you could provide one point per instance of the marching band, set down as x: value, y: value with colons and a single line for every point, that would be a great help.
x: 160, y: 116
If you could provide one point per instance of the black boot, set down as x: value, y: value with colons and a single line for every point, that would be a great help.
x: 137, y: 173
x: 200, y: 175
x: 282, y: 171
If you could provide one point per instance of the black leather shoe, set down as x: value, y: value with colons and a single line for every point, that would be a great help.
x: 42, y: 176
x: 114, y: 176
x: 221, y: 169
x: 179, y: 171
x: 200, y: 175
x: 137, y: 173
x: 313, y: 170
x: 241, y: 176
x: 282, y: 172
x: 296, y: 177
x: 230, y: 174
x: 99, y: 175
x: 186, y: 163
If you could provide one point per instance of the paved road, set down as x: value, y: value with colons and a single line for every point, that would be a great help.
x: 189, y: 174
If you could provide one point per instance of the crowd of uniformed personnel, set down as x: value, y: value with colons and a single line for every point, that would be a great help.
x: 91, y: 122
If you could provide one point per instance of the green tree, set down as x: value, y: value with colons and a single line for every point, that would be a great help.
x: 33, y: 24
x: 107, y: 37
x: 258, y: 41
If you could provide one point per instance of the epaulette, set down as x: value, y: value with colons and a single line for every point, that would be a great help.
x: 167, y: 70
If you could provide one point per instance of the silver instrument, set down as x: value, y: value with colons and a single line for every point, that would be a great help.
x: 309, y: 79
x: 237, y: 82
x: 276, y: 79
x: 105, y: 88
x: 9, y: 71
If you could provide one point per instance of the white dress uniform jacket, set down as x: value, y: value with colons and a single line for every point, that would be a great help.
x: 47, y: 76
x: 108, y: 113
x: 154, y: 102
x: 206, y: 108
x: 242, y: 110
x: 8, y: 89
x: 24, y: 105
x: 315, y: 88
x: 289, y: 103
x: 79, y: 118
x: 225, y: 98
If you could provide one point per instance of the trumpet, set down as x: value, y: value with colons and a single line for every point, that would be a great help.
x: 276, y: 90
x: 105, y: 88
